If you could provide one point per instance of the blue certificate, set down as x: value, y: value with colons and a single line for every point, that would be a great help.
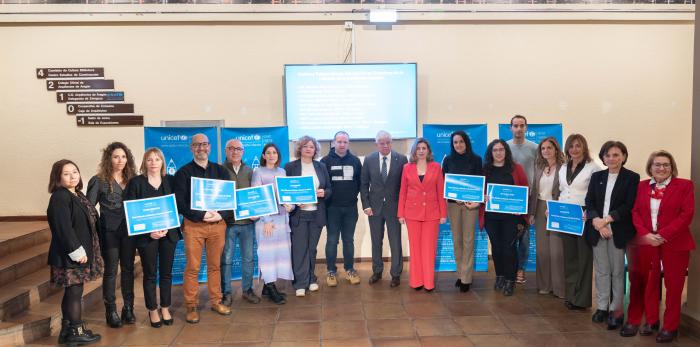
x: 504, y: 198
x: 464, y: 188
x: 296, y: 190
x: 153, y: 214
x: 212, y: 195
x: 255, y: 202
x: 564, y: 218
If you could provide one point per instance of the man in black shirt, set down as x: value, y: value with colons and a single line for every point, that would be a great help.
x: 344, y: 169
x: 202, y: 229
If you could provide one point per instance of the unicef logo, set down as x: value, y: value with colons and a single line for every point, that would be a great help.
x: 174, y: 138
x: 443, y: 134
x: 184, y: 137
x: 256, y: 137
x: 531, y: 133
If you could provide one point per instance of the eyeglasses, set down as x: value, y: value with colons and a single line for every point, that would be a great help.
x: 235, y: 149
x: 662, y: 165
x: 200, y: 144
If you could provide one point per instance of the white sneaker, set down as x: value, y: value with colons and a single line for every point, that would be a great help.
x: 301, y: 292
x: 313, y: 287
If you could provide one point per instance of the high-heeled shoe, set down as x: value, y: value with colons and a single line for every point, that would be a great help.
x: 166, y: 321
x: 157, y: 324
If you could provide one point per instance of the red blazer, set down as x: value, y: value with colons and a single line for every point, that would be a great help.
x: 422, y: 201
x: 675, y: 214
x: 520, y: 179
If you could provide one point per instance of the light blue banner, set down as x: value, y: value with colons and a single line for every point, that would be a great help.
x: 564, y: 218
x: 440, y: 142
x: 535, y: 132
x: 504, y: 198
x: 212, y: 195
x: 254, y: 139
x: 255, y: 202
x: 152, y: 214
x: 296, y: 190
x: 464, y: 188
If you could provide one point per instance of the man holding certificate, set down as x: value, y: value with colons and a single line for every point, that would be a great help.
x: 202, y: 229
x: 504, y: 227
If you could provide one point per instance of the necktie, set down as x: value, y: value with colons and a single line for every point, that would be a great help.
x: 385, y: 172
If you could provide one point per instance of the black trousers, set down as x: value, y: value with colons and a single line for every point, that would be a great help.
x: 502, y: 232
x: 118, y: 250
x: 157, y: 258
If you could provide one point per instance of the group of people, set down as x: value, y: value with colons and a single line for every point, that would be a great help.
x: 648, y: 221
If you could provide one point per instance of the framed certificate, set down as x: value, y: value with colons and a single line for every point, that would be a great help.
x: 296, y: 190
x: 464, y: 187
x: 504, y: 198
x: 255, y: 202
x: 152, y: 214
x: 565, y: 218
x: 212, y: 195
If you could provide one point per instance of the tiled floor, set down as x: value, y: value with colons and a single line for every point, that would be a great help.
x: 377, y: 315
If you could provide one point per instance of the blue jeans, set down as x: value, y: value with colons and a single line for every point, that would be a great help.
x: 523, y: 249
x: 340, y: 221
x: 246, y: 235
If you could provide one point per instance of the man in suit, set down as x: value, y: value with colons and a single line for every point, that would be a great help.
x: 380, y: 184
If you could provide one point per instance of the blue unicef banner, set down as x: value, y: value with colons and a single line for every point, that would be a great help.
x: 254, y: 139
x: 439, y: 137
x: 535, y: 133
x: 175, y: 144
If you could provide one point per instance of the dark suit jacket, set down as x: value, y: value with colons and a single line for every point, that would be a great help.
x: 675, y: 214
x: 621, y: 202
x: 136, y: 189
x: 422, y: 200
x: 70, y: 229
x: 293, y: 168
x: 382, y: 197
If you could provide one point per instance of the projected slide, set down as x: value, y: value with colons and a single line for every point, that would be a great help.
x: 358, y: 98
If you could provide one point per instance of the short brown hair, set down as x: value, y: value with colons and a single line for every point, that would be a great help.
x: 612, y: 144
x: 159, y: 154
x: 419, y: 140
x: 518, y: 116
x: 301, y: 142
x: 55, y: 176
x: 570, y: 143
x: 665, y: 154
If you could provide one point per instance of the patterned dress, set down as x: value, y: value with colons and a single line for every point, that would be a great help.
x: 274, y: 251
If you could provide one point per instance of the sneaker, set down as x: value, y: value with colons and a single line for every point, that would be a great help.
x: 520, y: 279
x: 331, y: 280
x: 301, y: 292
x: 352, y: 276
x: 314, y: 286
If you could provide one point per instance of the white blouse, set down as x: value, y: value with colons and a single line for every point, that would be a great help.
x: 308, y: 170
x: 576, y: 192
x: 545, y: 188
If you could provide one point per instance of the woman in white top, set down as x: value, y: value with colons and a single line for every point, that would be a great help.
x: 578, y: 255
x: 307, y: 220
x: 545, y: 186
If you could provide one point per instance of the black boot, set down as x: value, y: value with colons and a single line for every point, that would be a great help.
x: 65, y: 324
x: 265, y: 290
x: 500, y: 282
x: 128, y: 314
x: 508, y: 287
x: 275, y: 296
x: 112, y: 316
x: 78, y: 335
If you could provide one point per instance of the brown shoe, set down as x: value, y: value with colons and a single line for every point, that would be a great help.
x: 192, y: 315
x: 221, y: 309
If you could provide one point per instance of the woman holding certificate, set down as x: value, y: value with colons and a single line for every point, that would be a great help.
x: 578, y: 255
x: 272, y: 231
x: 503, y: 228
x: 662, y: 213
x: 463, y: 215
x: 422, y: 208
x: 307, y: 220
x: 157, y: 249
x: 609, y: 202
x: 74, y: 254
x: 106, y: 189
x: 545, y: 186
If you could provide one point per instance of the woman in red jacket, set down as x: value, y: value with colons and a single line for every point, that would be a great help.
x: 503, y: 229
x: 662, y: 214
x: 422, y: 208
